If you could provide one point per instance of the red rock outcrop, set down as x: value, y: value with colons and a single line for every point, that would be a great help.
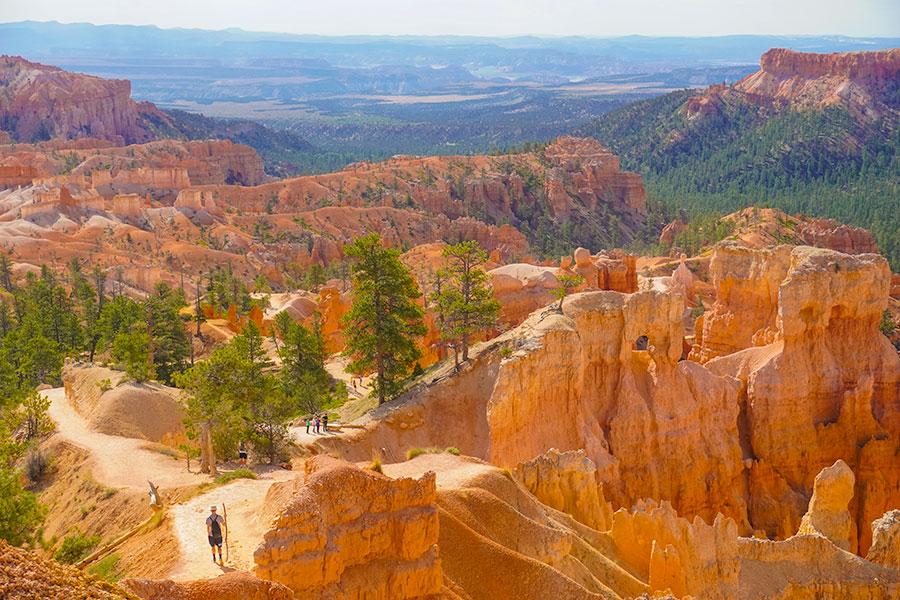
x: 827, y: 233
x: 573, y: 381
x: 879, y: 64
x: 827, y: 514
x: 567, y: 482
x: 667, y: 237
x: 25, y: 576
x: 827, y: 389
x: 347, y: 533
x: 14, y: 176
x: 855, y: 80
x: 45, y: 102
x: 747, y: 283
x: 885, y: 548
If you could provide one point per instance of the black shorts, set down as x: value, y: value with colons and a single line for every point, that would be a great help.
x: 214, y: 540
x: 242, y: 455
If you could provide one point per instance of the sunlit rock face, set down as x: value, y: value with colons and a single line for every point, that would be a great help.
x: 348, y: 533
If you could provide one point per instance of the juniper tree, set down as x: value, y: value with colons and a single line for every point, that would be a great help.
x: 566, y: 282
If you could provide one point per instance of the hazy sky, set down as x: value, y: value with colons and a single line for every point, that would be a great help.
x: 483, y: 17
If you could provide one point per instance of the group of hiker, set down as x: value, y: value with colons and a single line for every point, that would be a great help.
x: 315, y: 422
x: 216, y: 526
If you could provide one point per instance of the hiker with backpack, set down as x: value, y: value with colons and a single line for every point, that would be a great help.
x: 214, y: 525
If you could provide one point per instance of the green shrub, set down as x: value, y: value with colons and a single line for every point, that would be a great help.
x: 453, y: 450
x: 506, y: 351
x: 75, y: 547
x: 36, y: 464
x: 376, y: 465
x: 414, y: 452
x: 236, y: 474
x: 105, y: 568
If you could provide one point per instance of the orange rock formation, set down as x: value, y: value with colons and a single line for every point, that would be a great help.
x: 348, y: 533
x: 856, y: 80
x: 46, y: 102
x: 826, y: 389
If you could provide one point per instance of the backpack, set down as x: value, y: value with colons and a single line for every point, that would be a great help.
x: 215, y: 528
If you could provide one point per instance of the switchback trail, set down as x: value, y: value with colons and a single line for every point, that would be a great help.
x: 120, y: 462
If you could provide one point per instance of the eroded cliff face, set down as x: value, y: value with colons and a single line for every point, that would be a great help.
x: 542, y: 550
x: 828, y: 388
x: 346, y: 533
x: 574, y: 381
x: 857, y: 81
x: 803, y: 378
x: 45, y: 102
x: 747, y: 283
x: 852, y: 65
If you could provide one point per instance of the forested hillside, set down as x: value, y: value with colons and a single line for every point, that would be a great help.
x: 824, y: 162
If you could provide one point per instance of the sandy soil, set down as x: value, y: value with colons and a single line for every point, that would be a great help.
x: 117, y: 461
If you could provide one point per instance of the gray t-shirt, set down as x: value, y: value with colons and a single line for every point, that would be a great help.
x: 214, y: 519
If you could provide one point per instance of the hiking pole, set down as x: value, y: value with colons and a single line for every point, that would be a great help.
x: 225, y: 516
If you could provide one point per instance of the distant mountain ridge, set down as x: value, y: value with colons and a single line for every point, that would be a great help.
x: 812, y: 133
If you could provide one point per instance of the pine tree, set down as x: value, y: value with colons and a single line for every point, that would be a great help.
x: 303, y: 375
x: 465, y: 301
x: 216, y: 390
x: 384, y: 321
x: 170, y: 345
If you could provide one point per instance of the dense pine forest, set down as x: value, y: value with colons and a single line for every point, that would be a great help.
x: 820, y: 162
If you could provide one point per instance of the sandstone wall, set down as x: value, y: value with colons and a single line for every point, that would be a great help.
x: 348, y: 534
x: 747, y: 283
x: 829, y: 389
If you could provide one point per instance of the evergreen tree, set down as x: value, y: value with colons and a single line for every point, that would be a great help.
x: 384, y: 321
x: 466, y: 301
x: 170, y: 345
x: 216, y: 391
x: 132, y: 349
x: 566, y: 282
x: 269, y: 411
x: 303, y: 375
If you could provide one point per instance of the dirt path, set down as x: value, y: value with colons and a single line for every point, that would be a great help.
x: 118, y: 462
x: 335, y: 366
x: 243, y: 499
